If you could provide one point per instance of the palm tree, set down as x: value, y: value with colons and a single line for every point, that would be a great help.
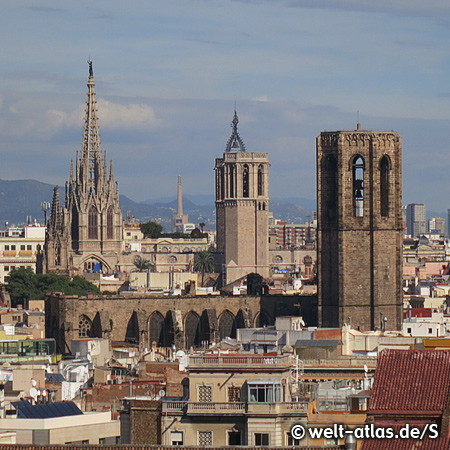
x: 201, y: 225
x: 142, y: 264
x: 204, y: 263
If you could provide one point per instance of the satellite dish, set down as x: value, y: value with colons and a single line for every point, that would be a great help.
x: 162, y: 393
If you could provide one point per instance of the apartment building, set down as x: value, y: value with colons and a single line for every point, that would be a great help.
x: 236, y: 399
x: 19, y: 247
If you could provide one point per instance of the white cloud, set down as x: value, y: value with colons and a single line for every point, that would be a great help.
x: 132, y: 116
x: 263, y: 98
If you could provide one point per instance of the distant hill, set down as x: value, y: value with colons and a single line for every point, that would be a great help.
x: 22, y: 198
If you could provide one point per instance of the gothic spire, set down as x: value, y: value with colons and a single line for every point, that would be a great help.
x: 54, y: 225
x: 235, y: 143
x: 91, y: 164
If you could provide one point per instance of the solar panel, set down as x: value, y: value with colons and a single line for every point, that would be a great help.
x: 26, y: 410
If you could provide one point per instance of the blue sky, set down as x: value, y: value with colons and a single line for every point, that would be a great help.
x: 168, y: 74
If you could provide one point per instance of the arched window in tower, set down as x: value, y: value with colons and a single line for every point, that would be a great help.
x: 385, y: 167
x: 245, y: 182
x: 330, y: 190
x: 92, y: 223
x: 222, y: 184
x: 110, y: 223
x: 232, y: 176
x: 260, y: 180
x: 358, y: 186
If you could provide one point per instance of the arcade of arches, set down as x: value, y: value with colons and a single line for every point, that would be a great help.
x: 187, y: 322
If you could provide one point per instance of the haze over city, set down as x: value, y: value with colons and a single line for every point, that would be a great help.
x: 169, y: 75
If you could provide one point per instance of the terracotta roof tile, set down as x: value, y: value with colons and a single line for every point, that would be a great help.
x: 408, y: 381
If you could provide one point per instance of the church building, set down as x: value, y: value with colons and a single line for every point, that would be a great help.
x: 86, y: 234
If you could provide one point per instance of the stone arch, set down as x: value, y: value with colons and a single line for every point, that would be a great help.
x: 169, y: 329
x: 137, y: 328
x: 227, y: 325
x: 89, y: 262
x: 260, y: 180
x: 155, y: 328
x: 84, y: 326
x: 262, y: 319
x: 92, y: 223
x: 192, y: 330
x: 101, y: 325
x: 358, y: 167
x: 385, y: 168
x: 208, y: 330
x: 244, y: 318
x: 246, y: 181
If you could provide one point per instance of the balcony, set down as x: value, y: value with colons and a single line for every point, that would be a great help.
x: 262, y: 409
x: 9, y: 252
x: 239, y: 362
x: 234, y: 408
x: 230, y: 408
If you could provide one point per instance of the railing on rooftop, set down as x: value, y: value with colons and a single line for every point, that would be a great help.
x: 234, y: 408
x: 239, y: 361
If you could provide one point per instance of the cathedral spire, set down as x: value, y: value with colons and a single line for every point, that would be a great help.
x: 91, y: 163
x: 235, y: 143
x: 54, y: 224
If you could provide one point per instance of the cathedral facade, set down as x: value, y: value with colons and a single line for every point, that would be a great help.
x: 86, y: 234
x: 242, y: 209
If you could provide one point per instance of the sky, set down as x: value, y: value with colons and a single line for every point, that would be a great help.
x: 170, y: 73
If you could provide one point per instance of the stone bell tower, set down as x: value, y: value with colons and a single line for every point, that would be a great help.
x: 242, y: 209
x: 359, y: 206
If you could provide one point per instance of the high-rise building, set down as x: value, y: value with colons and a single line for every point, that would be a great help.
x: 359, y: 185
x: 179, y: 219
x: 242, y: 209
x: 416, y: 219
x: 86, y: 234
x: 436, y: 225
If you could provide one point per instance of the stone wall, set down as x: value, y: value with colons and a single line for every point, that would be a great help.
x: 181, y: 321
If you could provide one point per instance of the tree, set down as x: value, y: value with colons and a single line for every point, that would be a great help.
x: 24, y: 284
x: 196, y: 233
x: 142, y: 264
x: 204, y: 263
x: 151, y: 229
x: 201, y: 225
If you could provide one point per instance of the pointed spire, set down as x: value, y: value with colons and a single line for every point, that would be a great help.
x: 111, y: 171
x: 54, y: 224
x: 235, y: 143
x: 71, y: 178
x: 91, y: 154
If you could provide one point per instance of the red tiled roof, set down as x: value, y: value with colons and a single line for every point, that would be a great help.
x: 441, y: 443
x: 419, y: 312
x: 411, y: 381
